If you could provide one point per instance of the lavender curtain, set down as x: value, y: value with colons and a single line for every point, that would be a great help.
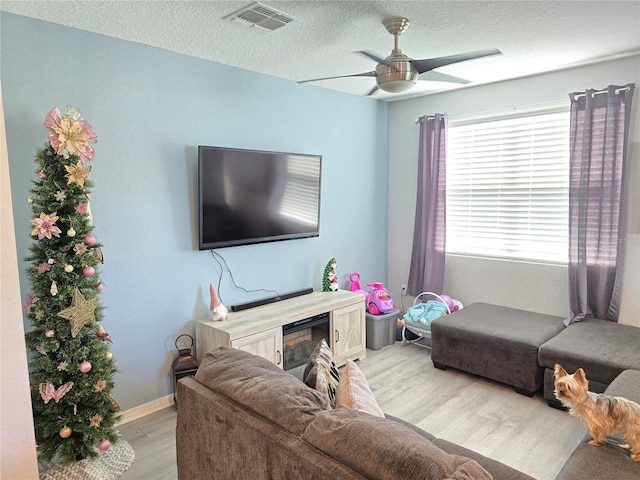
x: 426, y: 272
x: 597, y: 217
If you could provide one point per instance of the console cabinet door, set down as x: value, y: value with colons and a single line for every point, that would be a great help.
x: 266, y: 344
x: 348, y: 333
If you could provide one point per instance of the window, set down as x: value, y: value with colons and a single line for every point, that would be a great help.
x: 508, y: 187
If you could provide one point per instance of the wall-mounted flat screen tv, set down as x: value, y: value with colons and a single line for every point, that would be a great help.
x: 249, y: 196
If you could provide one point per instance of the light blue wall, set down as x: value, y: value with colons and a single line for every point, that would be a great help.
x: 151, y: 109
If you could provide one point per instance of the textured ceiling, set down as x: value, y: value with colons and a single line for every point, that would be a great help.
x: 534, y: 36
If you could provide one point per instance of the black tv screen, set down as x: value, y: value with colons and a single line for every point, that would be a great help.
x: 249, y: 196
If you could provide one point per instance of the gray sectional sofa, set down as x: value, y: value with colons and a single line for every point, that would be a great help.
x: 495, y: 342
x: 603, y: 349
x: 520, y: 349
x: 607, y: 462
x: 243, y: 417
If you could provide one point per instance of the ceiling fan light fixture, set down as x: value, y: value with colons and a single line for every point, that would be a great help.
x: 398, y: 79
x: 396, y: 86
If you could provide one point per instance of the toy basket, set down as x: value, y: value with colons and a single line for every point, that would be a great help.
x: 423, y: 330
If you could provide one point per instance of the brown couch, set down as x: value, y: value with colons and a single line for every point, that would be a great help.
x: 242, y: 417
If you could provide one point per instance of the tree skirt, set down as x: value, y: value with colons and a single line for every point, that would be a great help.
x: 107, y: 465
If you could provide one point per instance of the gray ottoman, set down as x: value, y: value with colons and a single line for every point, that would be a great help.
x: 496, y: 342
x: 603, y: 349
x: 609, y: 461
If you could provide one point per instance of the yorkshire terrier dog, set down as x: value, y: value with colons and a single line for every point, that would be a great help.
x: 601, y: 414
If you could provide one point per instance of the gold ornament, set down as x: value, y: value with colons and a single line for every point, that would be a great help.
x: 80, y: 313
x: 54, y: 288
x: 68, y: 268
x: 77, y: 173
x: 65, y: 432
x: 108, y: 355
x: 71, y: 232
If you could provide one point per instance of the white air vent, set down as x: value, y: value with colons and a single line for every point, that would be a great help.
x: 259, y: 15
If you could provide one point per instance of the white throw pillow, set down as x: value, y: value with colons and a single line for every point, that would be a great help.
x: 354, y: 392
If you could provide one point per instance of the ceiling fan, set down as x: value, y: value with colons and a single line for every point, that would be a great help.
x: 398, y: 73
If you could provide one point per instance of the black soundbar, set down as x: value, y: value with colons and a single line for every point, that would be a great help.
x: 265, y: 301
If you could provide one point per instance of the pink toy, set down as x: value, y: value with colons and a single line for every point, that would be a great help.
x: 355, y: 283
x: 447, y: 300
x: 218, y: 311
x: 378, y: 299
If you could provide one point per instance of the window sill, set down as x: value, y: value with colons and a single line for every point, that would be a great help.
x: 508, y: 259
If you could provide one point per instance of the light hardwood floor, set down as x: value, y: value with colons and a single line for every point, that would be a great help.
x: 481, y: 415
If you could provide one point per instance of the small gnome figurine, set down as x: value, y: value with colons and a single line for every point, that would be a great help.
x: 219, y: 312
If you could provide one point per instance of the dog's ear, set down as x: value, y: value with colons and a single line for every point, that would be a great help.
x: 558, y: 371
x: 580, y: 375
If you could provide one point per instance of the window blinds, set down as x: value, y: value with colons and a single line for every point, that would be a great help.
x: 507, y: 187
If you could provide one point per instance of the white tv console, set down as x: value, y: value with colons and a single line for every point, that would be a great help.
x: 259, y: 329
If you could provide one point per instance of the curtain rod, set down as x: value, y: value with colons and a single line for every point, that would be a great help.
x: 504, y: 110
x: 598, y: 92
x: 514, y: 108
x: 427, y: 117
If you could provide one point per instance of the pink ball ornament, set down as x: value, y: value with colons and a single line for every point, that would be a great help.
x: 49, y: 333
x: 104, y: 445
x: 85, y: 366
x: 100, y: 286
x: 88, y: 271
x: 90, y: 239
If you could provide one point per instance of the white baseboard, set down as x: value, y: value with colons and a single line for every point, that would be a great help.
x: 146, y: 409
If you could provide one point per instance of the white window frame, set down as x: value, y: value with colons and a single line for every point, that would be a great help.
x: 508, y: 186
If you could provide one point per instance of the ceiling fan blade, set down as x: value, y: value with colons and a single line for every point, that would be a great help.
x: 441, y: 77
x: 376, y: 58
x: 428, y: 64
x: 365, y: 74
x: 372, y: 91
